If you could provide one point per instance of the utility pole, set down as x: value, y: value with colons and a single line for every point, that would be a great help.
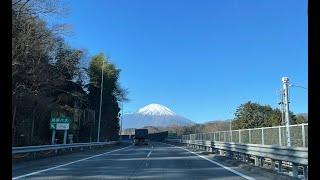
x: 281, y: 103
x: 121, y: 119
x: 285, y: 81
x: 282, y: 106
x: 230, y: 131
x: 98, y: 139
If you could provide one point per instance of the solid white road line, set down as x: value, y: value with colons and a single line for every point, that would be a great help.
x: 55, y: 167
x: 216, y: 163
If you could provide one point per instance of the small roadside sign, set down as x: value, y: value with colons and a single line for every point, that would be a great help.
x: 62, y: 126
x: 62, y: 120
x: 59, y: 123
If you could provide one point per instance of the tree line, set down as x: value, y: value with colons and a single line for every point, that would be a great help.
x: 49, y: 79
x: 247, y: 115
x: 255, y: 115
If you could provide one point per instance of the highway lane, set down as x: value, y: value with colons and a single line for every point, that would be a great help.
x: 156, y: 161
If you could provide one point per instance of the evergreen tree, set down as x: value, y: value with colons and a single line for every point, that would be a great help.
x: 109, y: 128
x: 254, y: 115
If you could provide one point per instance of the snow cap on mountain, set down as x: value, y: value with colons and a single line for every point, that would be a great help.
x: 156, y: 109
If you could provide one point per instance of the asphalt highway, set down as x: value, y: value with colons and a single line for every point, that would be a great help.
x: 155, y: 161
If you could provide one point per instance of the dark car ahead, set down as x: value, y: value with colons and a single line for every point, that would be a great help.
x: 141, y: 137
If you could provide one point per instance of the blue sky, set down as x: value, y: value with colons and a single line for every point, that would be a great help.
x: 202, y: 59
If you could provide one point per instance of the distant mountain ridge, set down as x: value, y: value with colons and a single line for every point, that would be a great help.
x: 217, y: 121
x: 305, y: 115
x: 154, y: 115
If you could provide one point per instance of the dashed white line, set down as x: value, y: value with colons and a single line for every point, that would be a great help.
x: 147, y: 164
x: 149, y: 154
x: 55, y: 167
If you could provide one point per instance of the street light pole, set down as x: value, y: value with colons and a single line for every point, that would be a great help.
x: 98, y: 139
x: 285, y: 81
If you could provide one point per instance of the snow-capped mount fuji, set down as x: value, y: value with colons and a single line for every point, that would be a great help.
x: 154, y: 115
x: 156, y: 109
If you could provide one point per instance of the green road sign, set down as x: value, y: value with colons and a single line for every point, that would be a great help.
x: 61, y: 119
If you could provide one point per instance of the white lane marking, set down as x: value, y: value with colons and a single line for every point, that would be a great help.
x: 149, y: 154
x: 55, y: 167
x: 147, y: 158
x: 216, y: 163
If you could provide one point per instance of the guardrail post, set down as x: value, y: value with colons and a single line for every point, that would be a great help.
x: 303, y: 136
x: 230, y: 136
x: 214, y: 136
x: 280, y: 167
x: 273, y: 164
x: 294, y: 170
x: 224, y: 137
x: 305, y: 172
x: 230, y: 154
x: 239, y: 136
x: 249, y: 136
x: 262, y: 136
x: 256, y: 161
x: 261, y: 161
x: 244, y: 157
x: 280, y: 143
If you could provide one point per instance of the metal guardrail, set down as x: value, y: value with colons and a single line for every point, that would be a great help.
x: 297, y: 156
x: 28, y: 149
x: 173, y: 140
x: 259, y: 143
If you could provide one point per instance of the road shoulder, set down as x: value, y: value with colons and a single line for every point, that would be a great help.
x: 30, y: 166
x: 242, y: 167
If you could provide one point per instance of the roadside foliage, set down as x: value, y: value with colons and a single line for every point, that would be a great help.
x: 49, y: 79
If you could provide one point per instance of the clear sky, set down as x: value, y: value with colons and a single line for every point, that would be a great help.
x: 202, y: 59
